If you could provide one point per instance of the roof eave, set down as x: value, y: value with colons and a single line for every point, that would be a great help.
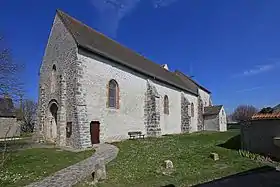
x: 107, y: 56
x: 198, y: 85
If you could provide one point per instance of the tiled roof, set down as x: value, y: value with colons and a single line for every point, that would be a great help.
x: 266, y: 116
x: 95, y: 42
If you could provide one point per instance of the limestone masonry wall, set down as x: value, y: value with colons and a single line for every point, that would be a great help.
x: 9, y: 127
x: 61, y: 51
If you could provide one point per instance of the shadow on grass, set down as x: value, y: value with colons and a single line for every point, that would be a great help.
x: 233, y: 143
x: 259, y: 177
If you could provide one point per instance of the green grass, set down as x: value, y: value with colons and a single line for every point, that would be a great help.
x: 138, y: 160
x: 31, y: 165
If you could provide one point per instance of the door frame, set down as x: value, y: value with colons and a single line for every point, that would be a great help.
x: 95, y: 132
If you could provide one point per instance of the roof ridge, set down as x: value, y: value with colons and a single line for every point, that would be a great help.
x: 96, y: 42
x: 202, y: 87
x: 103, y: 35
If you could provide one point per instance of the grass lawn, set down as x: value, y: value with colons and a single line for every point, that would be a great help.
x: 30, y: 165
x: 138, y: 160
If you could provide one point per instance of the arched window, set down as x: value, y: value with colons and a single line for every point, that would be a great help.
x: 53, y: 79
x: 113, y: 94
x: 166, y: 105
x: 192, y: 110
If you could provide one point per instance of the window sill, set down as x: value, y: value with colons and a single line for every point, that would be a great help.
x: 112, y: 109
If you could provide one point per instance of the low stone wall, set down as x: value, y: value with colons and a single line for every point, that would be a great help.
x: 9, y: 127
x: 257, y: 136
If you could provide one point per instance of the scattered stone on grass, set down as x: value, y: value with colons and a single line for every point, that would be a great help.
x: 220, y: 166
x: 166, y: 169
x: 99, y: 171
x: 214, y: 156
x: 168, y: 164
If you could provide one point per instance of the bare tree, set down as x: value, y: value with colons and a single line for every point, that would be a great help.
x: 29, y: 109
x: 244, y: 112
x: 10, y: 83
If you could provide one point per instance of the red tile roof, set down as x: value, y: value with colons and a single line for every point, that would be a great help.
x: 266, y: 116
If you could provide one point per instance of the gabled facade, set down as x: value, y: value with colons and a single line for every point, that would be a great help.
x: 215, y: 118
x: 93, y: 90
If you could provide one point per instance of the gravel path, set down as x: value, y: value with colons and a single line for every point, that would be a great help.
x: 78, y: 172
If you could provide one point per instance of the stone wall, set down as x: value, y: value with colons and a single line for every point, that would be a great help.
x: 258, y: 136
x: 185, y: 117
x: 211, y: 123
x: 200, y: 107
x: 152, y: 111
x: 9, y: 127
x: 61, y: 51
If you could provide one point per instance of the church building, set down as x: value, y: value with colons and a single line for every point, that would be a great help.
x: 94, y: 90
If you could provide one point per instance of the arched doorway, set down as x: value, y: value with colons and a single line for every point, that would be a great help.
x: 53, y: 121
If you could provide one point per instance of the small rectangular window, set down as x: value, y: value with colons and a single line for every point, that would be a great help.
x: 68, y: 129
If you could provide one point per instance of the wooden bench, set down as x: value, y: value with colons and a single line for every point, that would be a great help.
x: 135, y: 134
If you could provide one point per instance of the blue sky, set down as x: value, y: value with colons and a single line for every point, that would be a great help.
x: 231, y: 47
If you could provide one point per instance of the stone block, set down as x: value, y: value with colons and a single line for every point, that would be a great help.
x: 214, y: 156
x: 99, y: 170
x: 168, y: 164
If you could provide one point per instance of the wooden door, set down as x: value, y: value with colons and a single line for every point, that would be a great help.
x: 94, y: 132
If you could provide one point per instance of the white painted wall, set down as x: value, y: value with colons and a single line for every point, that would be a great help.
x: 205, y: 97
x: 223, y: 120
x: 170, y: 123
x: 115, y: 123
x: 193, y: 99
